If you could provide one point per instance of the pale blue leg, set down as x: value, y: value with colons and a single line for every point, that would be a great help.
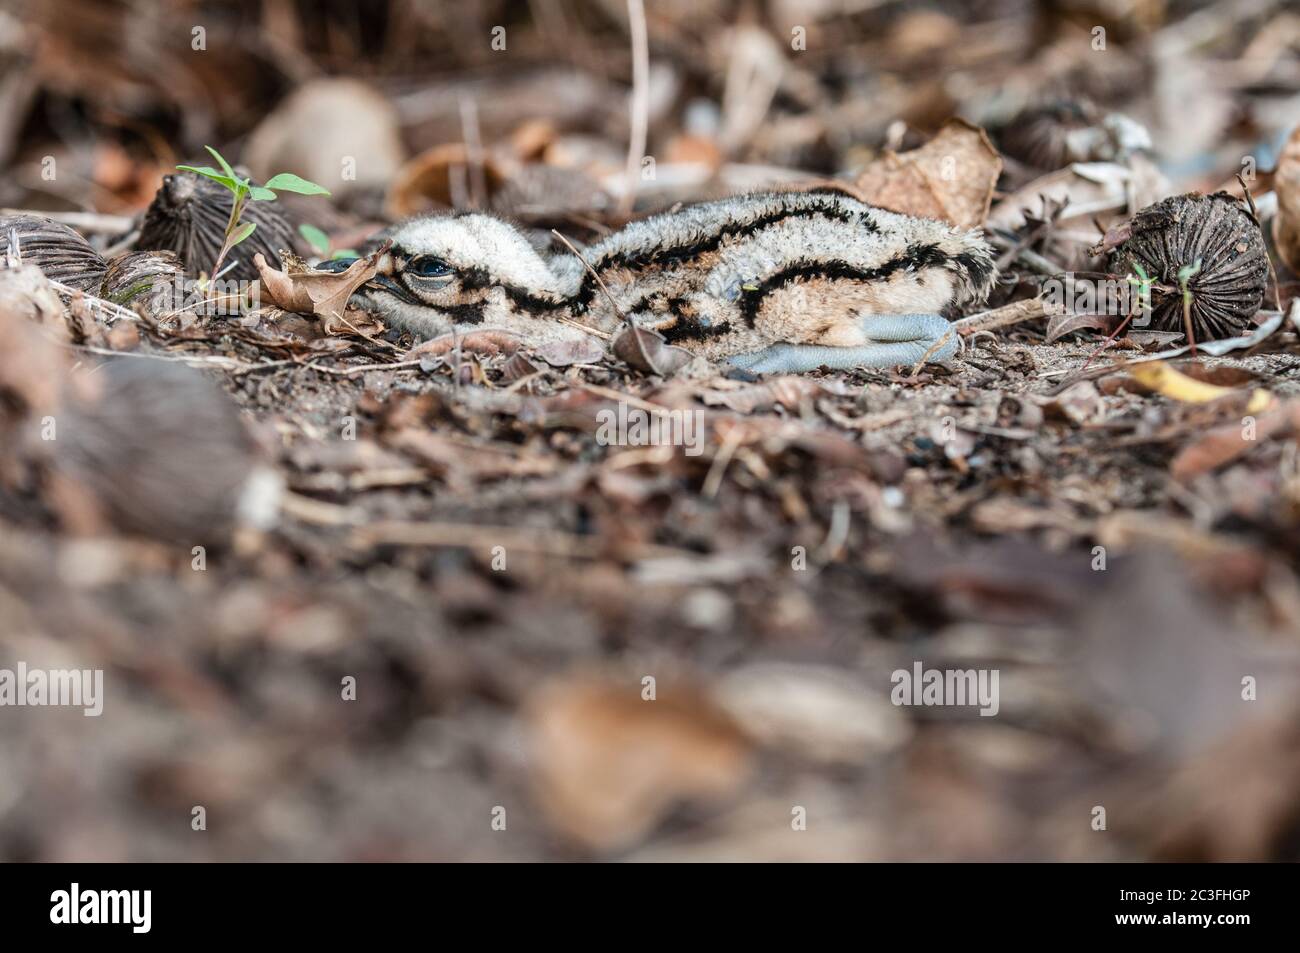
x: 897, y: 339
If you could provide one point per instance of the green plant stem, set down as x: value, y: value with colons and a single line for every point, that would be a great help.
x: 236, y: 210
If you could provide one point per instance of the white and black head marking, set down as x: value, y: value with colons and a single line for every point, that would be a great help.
x: 846, y: 282
x: 457, y: 269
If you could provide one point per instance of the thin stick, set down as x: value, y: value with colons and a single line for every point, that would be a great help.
x: 713, y: 481
x: 611, y: 394
x: 83, y: 221
x: 1277, y: 288
x: 478, y: 193
x: 1015, y: 313
x: 94, y: 301
x: 608, y: 294
x: 640, y: 102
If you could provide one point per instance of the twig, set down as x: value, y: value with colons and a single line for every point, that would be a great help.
x: 608, y: 294
x: 94, y: 301
x: 1277, y: 288
x: 590, y: 330
x: 478, y: 193
x: 215, y: 360
x: 82, y: 221
x: 713, y: 481
x: 640, y: 102
x: 364, y: 368
x: 1015, y: 313
x: 611, y: 394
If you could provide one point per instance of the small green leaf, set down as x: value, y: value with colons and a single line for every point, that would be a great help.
x: 242, y: 232
x: 210, y: 173
x: 288, y: 182
x: 261, y: 194
x: 346, y: 253
x: 315, y: 237
x: 225, y: 166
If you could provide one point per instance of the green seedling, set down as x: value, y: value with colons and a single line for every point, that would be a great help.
x: 320, y: 242
x: 244, y: 191
x: 1143, y: 282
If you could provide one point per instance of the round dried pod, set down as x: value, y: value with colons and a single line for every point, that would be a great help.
x: 1054, y: 135
x: 1050, y: 136
x: 1209, y: 246
x: 141, y: 276
x: 163, y: 450
x: 188, y: 216
x: 61, y: 253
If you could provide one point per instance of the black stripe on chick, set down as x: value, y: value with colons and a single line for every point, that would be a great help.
x: 688, y: 251
x: 915, y: 258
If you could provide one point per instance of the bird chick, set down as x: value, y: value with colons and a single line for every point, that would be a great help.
x: 771, y: 282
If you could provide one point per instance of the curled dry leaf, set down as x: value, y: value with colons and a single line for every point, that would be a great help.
x: 951, y: 177
x: 489, y: 341
x: 322, y: 293
x: 608, y: 765
x: 517, y: 368
x: 1062, y: 324
x: 653, y: 355
x: 1286, y: 182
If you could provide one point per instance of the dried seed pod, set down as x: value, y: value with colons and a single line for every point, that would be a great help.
x: 135, y: 276
x: 188, y: 216
x: 56, y: 249
x: 1056, y: 134
x: 1219, y: 243
x: 163, y: 450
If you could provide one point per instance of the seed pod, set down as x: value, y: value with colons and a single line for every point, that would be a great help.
x: 1218, y: 237
x: 163, y: 450
x: 135, y: 276
x: 188, y: 216
x: 1054, y: 135
x: 61, y: 253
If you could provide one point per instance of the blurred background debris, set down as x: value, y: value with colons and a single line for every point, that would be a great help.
x: 362, y: 600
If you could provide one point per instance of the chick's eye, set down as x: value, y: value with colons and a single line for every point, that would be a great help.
x: 426, y: 266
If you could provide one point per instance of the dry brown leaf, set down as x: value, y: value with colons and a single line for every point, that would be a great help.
x: 1062, y: 324
x: 653, y: 355
x: 1286, y: 182
x: 951, y: 177
x: 608, y: 764
x: 322, y: 293
x: 488, y: 341
x: 1222, y: 445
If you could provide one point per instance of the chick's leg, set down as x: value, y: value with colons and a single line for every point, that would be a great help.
x: 894, y: 339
